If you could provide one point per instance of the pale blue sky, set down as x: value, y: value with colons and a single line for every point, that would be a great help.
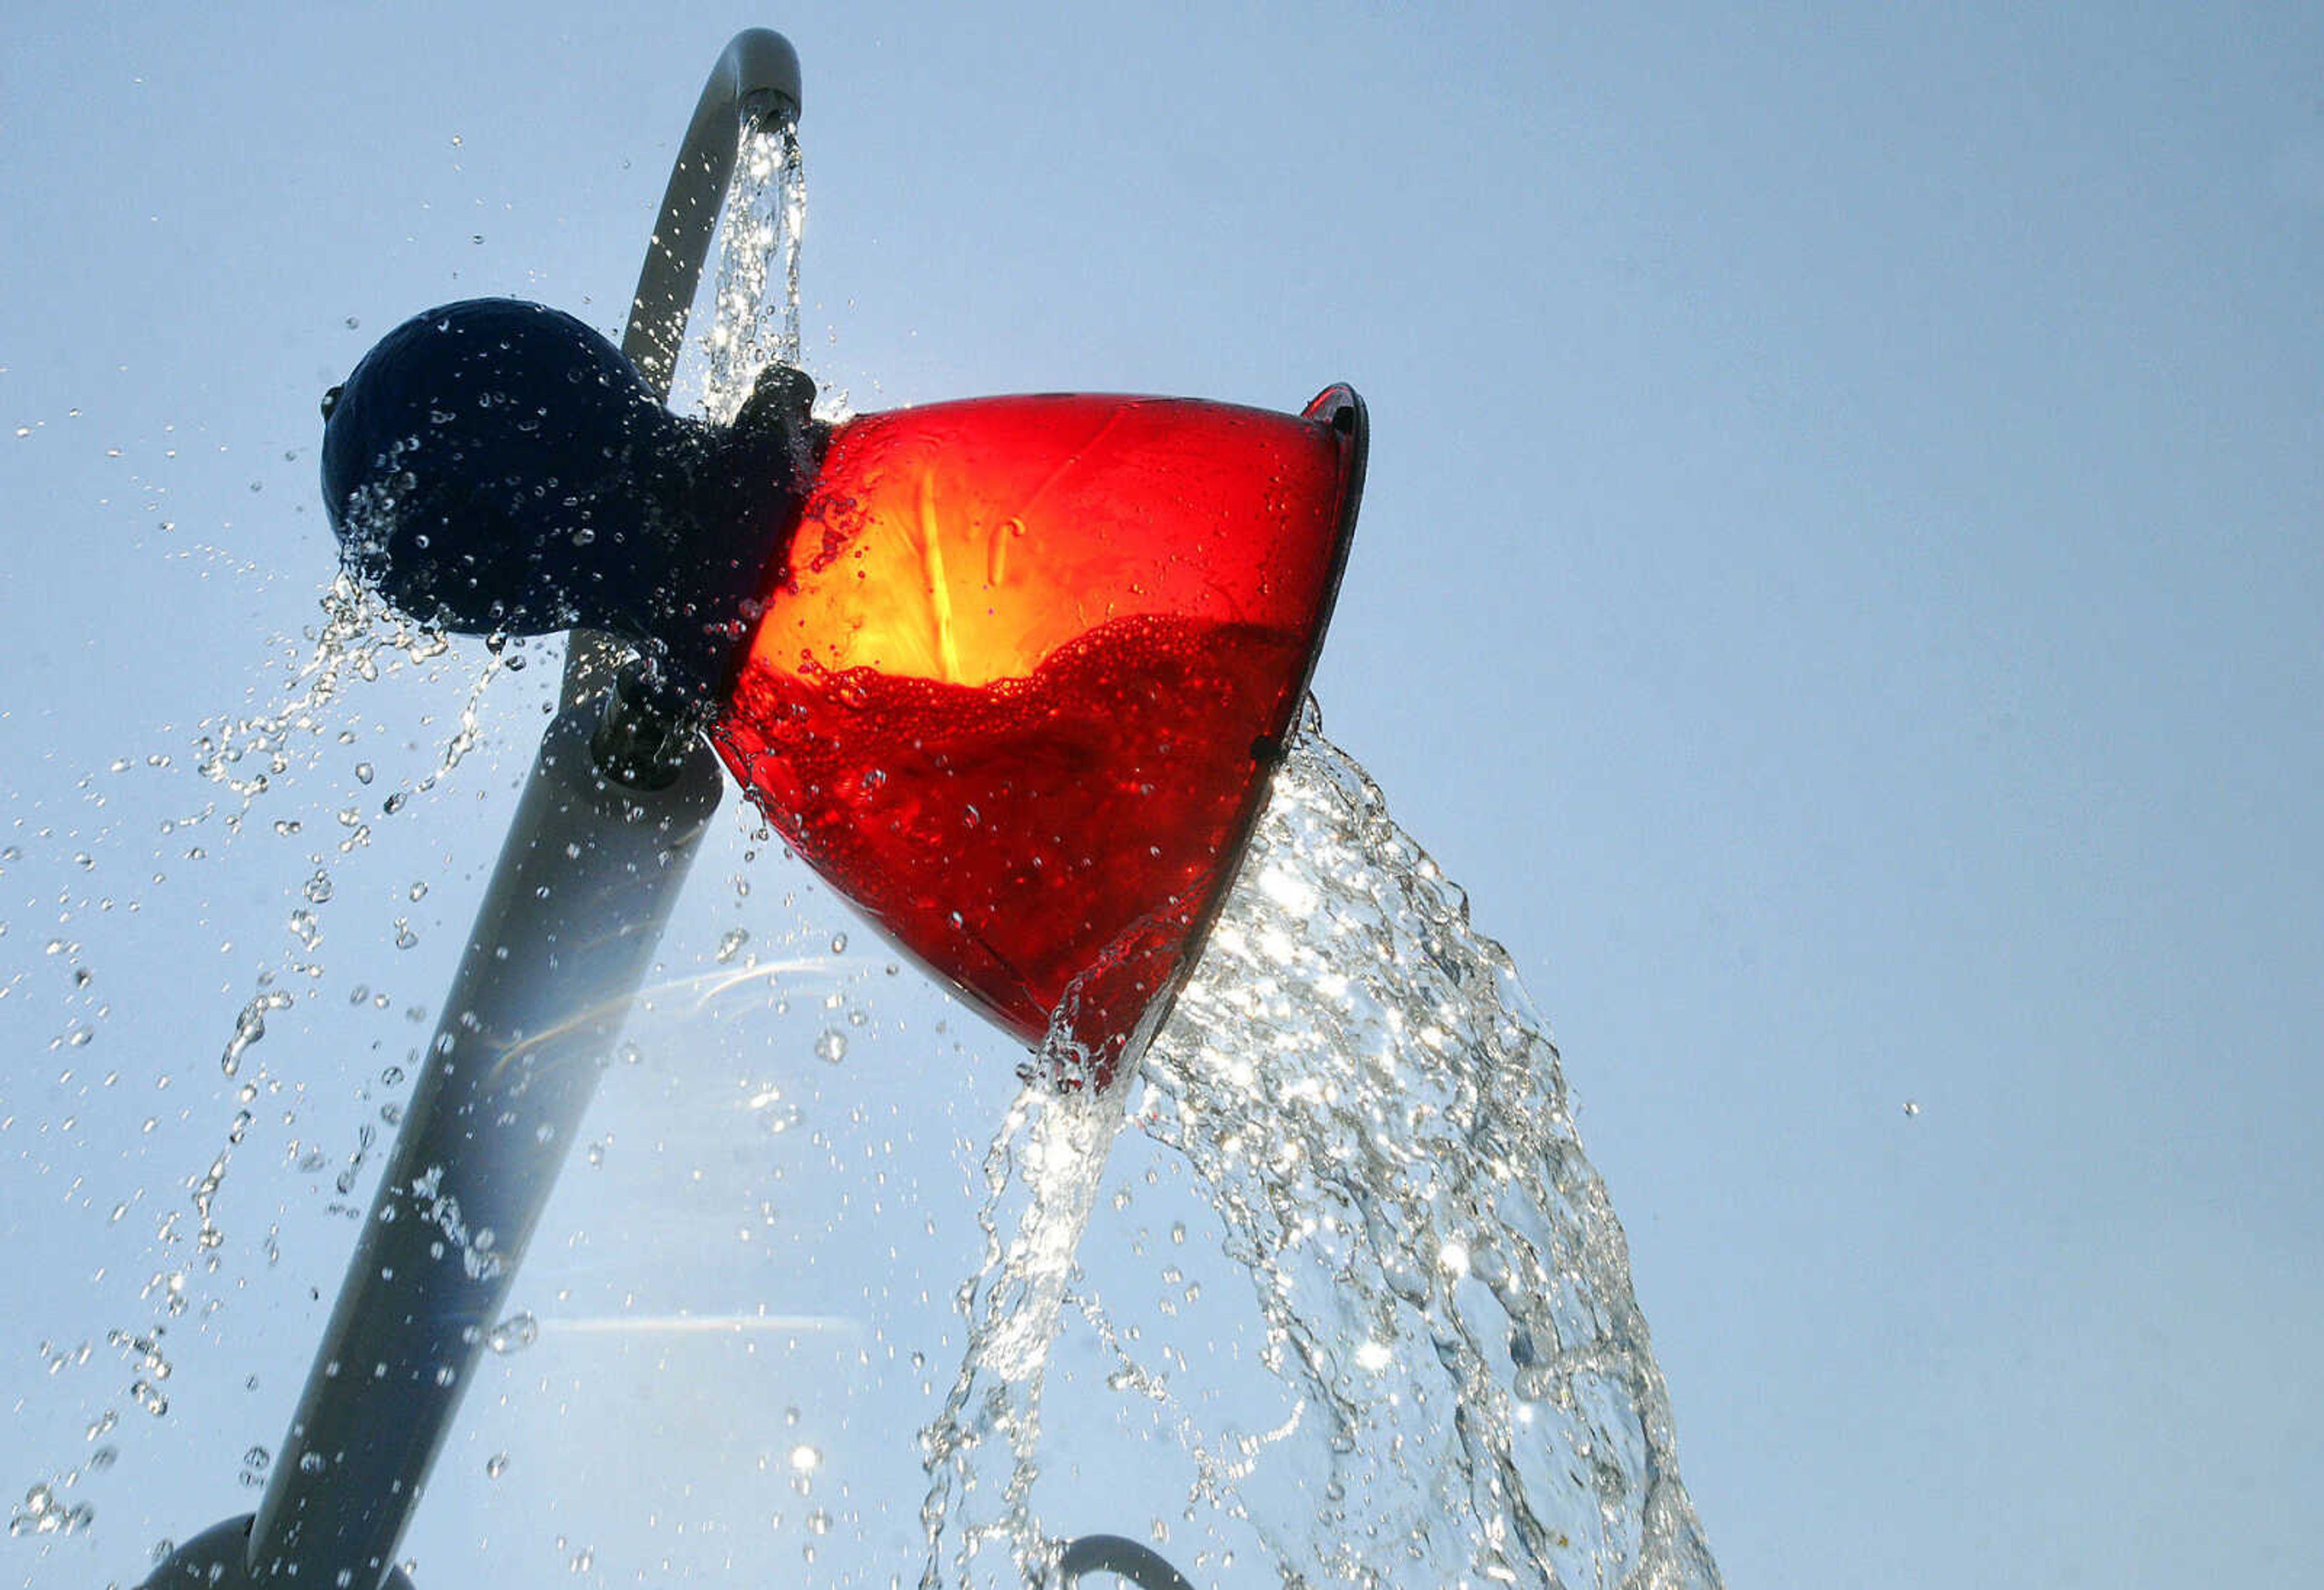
x: 1837, y: 581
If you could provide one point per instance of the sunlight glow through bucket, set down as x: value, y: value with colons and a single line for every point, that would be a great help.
x: 1018, y: 686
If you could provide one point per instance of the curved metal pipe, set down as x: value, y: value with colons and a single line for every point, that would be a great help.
x: 754, y: 84
x: 1124, y: 1558
x: 561, y: 943
x: 592, y: 863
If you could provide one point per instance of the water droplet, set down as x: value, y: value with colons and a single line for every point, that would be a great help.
x: 1912, y: 1106
x: 806, y: 1459
x: 832, y: 1046
x: 731, y: 943
x: 513, y: 1334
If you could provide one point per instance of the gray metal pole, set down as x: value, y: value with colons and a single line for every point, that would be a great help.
x: 563, y: 938
x: 1126, y: 1560
x: 560, y: 946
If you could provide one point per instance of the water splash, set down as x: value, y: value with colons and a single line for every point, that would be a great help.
x: 1374, y: 1112
x: 754, y: 323
x: 252, y: 758
x: 245, y: 755
x: 44, y: 1513
x: 1380, y: 1118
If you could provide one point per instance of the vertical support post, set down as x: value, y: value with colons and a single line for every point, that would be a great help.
x: 563, y: 938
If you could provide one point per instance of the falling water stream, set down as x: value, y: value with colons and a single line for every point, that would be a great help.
x: 755, y: 294
x: 1376, y: 1117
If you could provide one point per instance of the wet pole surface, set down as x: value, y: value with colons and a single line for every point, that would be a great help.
x: 585, y: 883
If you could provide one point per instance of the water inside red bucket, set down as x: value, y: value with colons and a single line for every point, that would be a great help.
x: 1016, y: 688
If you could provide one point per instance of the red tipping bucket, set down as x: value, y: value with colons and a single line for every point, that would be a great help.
x: 1018, y: 682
